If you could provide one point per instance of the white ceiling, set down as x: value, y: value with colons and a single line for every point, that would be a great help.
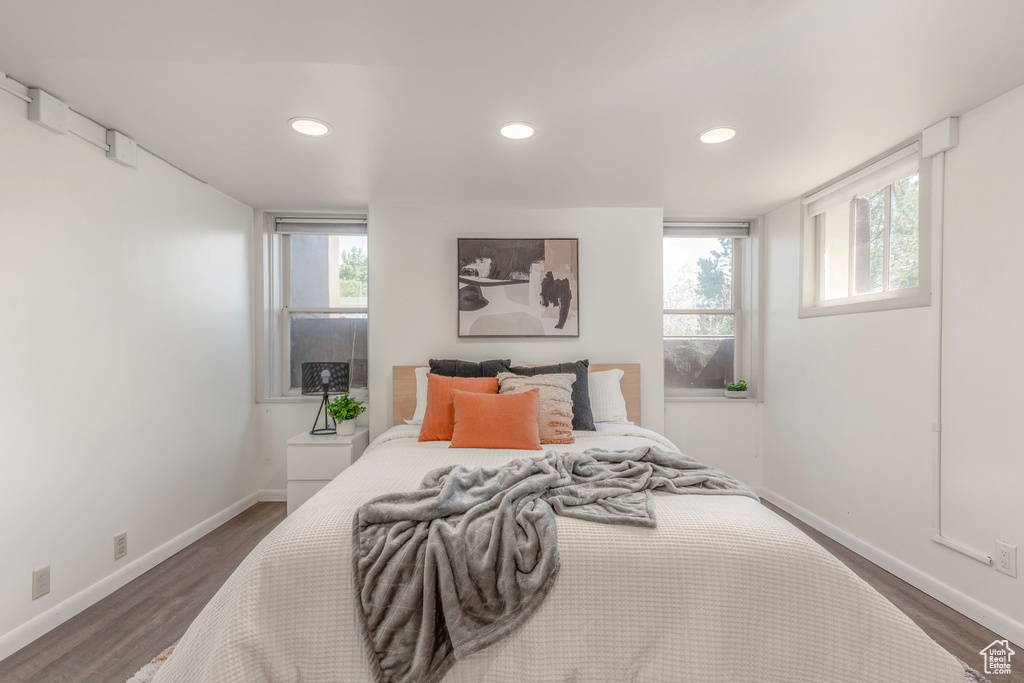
x: 416, y: 89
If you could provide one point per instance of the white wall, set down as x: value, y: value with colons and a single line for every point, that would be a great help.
x: 125, y: 356
x: 725, y: 434
x: 275, y: 424
x: 848, y: 402
x: 414, y: 298
x: 983, y: 456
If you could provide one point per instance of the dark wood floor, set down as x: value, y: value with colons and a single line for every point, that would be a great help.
x: 111, y: 640
x: 947, y: 627
x: 117, y: 636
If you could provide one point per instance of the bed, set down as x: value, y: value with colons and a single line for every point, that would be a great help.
x: 722, y: 590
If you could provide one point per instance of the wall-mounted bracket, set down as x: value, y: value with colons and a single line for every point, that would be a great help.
x: 48, y: 111
x: 123, y: 149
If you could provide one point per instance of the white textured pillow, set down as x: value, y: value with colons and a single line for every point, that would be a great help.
x: 421, y: 397
x: 606, y: 398
x: 554, y: 407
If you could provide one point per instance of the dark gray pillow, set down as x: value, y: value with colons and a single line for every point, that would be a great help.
x: 468, y: 368
x: 582, y: 415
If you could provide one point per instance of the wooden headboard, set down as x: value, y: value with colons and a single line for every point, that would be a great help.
x: 403, y: 388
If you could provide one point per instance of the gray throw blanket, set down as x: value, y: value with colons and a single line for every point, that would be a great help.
x: 451, y: 568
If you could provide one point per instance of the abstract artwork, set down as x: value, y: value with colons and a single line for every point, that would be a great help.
x: 518, y: 288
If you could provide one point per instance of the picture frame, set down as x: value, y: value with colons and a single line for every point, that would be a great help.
x: 518, y: 287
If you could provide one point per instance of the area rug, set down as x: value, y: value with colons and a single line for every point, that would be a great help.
x: 146, y: 673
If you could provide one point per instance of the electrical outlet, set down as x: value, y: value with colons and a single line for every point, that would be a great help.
x: 40, y: 582
x: 120, y: 545
x: 1006, y: 558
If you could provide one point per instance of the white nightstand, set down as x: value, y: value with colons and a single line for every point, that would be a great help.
x: 315, y: 459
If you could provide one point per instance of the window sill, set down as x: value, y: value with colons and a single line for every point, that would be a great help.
x: 360, y: 394
x: 710, y: 399
x: 290, y: 399
x: 889, y: 304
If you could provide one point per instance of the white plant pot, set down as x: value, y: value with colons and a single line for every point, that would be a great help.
x: 735, y: 394
x: 345, y: 428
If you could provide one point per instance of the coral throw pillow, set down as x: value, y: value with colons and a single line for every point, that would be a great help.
x: 555, y: 405
x: 439, y: 417
x: 496, y: 420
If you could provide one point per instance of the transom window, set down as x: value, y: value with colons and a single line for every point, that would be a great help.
x: 870, y: 245
x: 864, y: 246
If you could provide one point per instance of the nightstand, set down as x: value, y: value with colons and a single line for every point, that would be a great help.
x: 315, y: 459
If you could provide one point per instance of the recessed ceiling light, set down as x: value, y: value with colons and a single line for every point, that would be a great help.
x: 311, y: 127
x: 713, y: 136
x: 516, y: 130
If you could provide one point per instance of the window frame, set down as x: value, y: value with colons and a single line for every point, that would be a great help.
x: 272, y: 257
x: 811, y: 303
x: 744, y: 295
x: 288, y: 310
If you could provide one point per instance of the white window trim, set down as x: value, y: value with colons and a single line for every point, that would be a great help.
x: 746, y: 303
x: 271, y: 279
x: 811, y: 303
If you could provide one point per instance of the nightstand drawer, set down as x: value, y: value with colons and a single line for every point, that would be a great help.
x: 316, y: 459
x: 317, y: 463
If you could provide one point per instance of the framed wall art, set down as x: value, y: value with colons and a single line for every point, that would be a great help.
x: 518, y: 287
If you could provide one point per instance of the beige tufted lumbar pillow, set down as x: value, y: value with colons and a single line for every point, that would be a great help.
x: 555, y: 409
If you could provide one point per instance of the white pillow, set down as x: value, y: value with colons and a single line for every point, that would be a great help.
x: 421, y: 397
x: 606, y: 400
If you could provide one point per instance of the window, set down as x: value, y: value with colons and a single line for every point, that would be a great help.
x: 864, y: 247
x: 320, y: 287
x: 704, y: 319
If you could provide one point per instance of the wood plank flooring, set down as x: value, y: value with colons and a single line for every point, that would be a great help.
x: 114, y: 638
x: 947, y: 627
x: 117, y: 636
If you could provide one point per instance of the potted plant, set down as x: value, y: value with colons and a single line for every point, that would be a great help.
x: 736, y: 390
x: 345, y: 409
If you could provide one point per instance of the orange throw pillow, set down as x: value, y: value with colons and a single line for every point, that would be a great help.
x: 496, y: 420
x: 439, y: 417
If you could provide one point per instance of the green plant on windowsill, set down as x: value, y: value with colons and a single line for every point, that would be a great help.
x: 345, y: 409
x: 736, y: 390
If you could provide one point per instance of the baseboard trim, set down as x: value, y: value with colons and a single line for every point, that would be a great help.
x: 38, y: 626
x: 998, y: 622
x: 273, y: 496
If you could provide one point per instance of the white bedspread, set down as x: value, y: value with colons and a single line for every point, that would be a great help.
x: 723, y: 590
